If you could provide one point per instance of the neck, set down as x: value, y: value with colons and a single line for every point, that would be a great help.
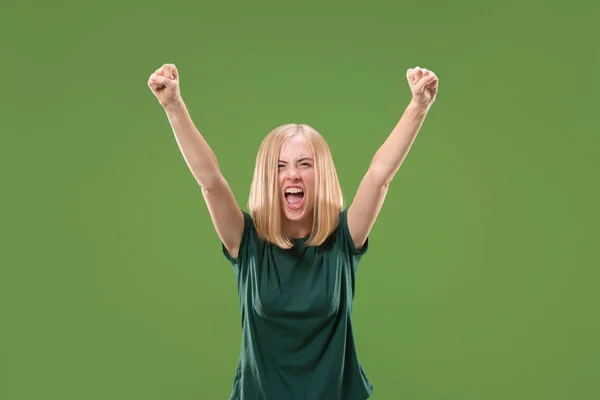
x: 298, y: 229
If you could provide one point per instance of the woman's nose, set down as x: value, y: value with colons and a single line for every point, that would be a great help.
x: 292, y: 174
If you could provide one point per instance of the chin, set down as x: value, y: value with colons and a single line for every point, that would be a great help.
x: 295, y: 214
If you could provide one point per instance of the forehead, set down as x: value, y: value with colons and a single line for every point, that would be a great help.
x: 296, y: 147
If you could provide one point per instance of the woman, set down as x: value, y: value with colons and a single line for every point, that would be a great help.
x: 296, y: 252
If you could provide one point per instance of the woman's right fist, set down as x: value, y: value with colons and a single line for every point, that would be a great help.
x: 164, y: 83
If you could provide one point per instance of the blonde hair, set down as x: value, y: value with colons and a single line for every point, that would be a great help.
x: 264, y: 203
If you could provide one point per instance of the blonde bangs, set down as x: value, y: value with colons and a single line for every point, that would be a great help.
x: 264, y: 203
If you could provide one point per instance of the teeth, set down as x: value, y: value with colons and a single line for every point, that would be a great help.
x: 293, y: 190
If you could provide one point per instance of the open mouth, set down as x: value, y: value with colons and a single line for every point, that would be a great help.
x: 294, y: 198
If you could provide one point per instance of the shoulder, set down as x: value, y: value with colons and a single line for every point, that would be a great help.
x: 344, y: 239
x: 248, y: 243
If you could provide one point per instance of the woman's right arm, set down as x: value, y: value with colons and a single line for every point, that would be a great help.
x: 227, y: 217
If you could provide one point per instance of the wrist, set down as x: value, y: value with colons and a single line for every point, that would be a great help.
x: 174, y: 106
x: 418, y: 108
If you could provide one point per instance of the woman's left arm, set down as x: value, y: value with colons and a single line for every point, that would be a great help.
x: 372, y: 190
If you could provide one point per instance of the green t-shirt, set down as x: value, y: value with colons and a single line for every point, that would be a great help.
x: 296, y: 309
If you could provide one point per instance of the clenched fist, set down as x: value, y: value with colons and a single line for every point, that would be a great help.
x: 164, y: 83
x: 423, y: 85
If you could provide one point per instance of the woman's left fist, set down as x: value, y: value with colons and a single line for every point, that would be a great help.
x: 423, y: 85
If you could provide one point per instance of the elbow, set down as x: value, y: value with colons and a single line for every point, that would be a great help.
x: 383, y: 169
x: 380, y: 175
x: 210, y: 180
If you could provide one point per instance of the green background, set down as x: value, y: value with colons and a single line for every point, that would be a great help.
x: 482, y: 276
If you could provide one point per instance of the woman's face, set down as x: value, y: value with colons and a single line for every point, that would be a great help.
x: 297, y: 178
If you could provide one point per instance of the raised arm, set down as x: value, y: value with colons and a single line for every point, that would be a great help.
x: 227, y: 217
x: 372, y: 190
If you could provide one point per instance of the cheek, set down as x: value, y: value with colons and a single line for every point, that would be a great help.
x: 309, y: 180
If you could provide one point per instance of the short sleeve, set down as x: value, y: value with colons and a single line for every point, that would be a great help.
x: 346, y: 239
x: 248, y: 226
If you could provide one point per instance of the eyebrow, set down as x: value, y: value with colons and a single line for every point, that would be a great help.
x: 299, y: 160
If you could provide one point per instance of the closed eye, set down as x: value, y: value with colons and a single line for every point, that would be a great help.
x: 302, y: 164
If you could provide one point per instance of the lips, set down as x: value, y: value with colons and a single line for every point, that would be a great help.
x: 294, y: 197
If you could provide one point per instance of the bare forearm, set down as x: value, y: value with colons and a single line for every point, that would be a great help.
x: 392, y: 153
x: 198, y: 155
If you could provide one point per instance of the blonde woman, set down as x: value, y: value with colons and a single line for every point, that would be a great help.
x: 296, y: 251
